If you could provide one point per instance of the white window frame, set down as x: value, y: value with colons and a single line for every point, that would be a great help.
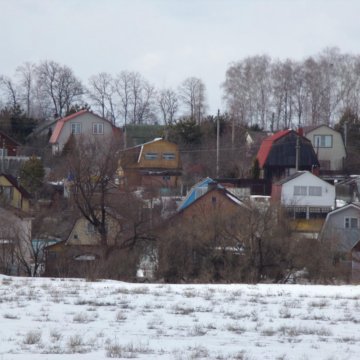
x: 350, y: 221
x: 76, y: 128
x: 315, y: 191
x: 300, y: 190
x: 323, y: 141
x: 98, y: 128
x: 169, y: 156
x: 151, y: 156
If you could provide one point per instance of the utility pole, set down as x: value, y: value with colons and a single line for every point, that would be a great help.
x: 217, y: 142
x: 297, y: 152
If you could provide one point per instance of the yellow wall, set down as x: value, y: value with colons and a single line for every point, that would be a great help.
x: 160, y: 147
x: 16, y: 199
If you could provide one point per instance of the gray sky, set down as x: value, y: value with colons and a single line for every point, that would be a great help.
x: 170, y: 40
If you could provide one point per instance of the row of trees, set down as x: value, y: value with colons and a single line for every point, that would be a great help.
x: 49, y: 89
x: 279, y: 94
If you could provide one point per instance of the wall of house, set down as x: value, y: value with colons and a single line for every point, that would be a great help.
x: 86, y: 120
x: 16, y: 199
x: 83, y: 233
x: 333, y: 156
x: 327, y: 198
x: 156, y: 155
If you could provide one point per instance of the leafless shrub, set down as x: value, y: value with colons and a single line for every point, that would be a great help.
x: 268, y: 332
x: 32, y: 337
x: 199, y: 352
x: 11, y: 316
x: 81, y: 318
x: 197, y: 330
x: 183, y: 310
x: 55, y: 335
x: 318, y: 304
x: 128, y: 351
x: 120, y: 316
x: 236, y: 328
x: 75, y: 344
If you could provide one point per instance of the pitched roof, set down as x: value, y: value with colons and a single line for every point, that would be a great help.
x: 291, y: 177
x: 266, y: 145
x: 60, y: 123
x: 9, y: 139
x: 14, y: 183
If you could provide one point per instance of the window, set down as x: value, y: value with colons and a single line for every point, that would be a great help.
x: 98, y: 128
x: 151, y: 156
x: 351, y: 223
x: 315, y: 190
x: 90, y: 228
x: 7, y: 192
x: 168, y: 156
x: 76, y: 128
x: 300, y: 190
x: 323, y: 141
x: 3, y: 152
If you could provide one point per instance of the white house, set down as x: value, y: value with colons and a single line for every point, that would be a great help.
x: 83, y: 122
x: 328, y: 145
x: 305, y: 195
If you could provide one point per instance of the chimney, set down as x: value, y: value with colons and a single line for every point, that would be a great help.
x: 300, y: 131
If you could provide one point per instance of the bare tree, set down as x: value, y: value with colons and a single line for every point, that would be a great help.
x: 102, y: 91
x: 192, y: 95
x: 10, y: 90
x: 168, y: 105
x: 59, y: 84
x: 26, y: 73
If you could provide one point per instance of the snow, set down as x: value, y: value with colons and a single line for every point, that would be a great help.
x: 44, y: 318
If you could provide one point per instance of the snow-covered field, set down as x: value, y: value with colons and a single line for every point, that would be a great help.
x: 75, y: 319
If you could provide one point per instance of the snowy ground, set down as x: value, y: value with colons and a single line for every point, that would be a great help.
x: 74, y: 319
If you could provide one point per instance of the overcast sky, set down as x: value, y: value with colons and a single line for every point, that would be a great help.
x: 170, y: 40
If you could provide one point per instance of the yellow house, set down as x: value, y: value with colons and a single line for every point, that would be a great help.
x: 154, y: 164
x: 14, y: 194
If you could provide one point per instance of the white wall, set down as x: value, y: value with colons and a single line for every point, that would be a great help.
x: 327, y: 198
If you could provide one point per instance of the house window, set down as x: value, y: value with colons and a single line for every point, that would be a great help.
x: 76, y: 128
x: 300, y: 190
x: 98, y: 128
x: 315, y: 190
x: 151, y: 156
x: 3, y: 152
x: 90, y: 228
x: 168, y: 156
x: 351, y: 223
x: 323, y: 141
x: 7, y: 192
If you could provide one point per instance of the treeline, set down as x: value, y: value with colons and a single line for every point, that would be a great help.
x: 277, y: 94
x: 48, y: 90
x: 271, y: 94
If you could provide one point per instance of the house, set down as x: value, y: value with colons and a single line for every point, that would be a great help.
x: 81, y: 249
x: 341, y: 231
x: 348, y: 190
x: 13, y: 194
x: 201, y: 239
x: 83, y: 123
x: 155, y: 164
x: 307, y: 200
x: 8, y: 146
x: 16, y: 255
x: 277, y: 155
x: 329, y: 146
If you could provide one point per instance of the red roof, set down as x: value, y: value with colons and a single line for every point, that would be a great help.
x: 60, y: 124
x: 266, y: 145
